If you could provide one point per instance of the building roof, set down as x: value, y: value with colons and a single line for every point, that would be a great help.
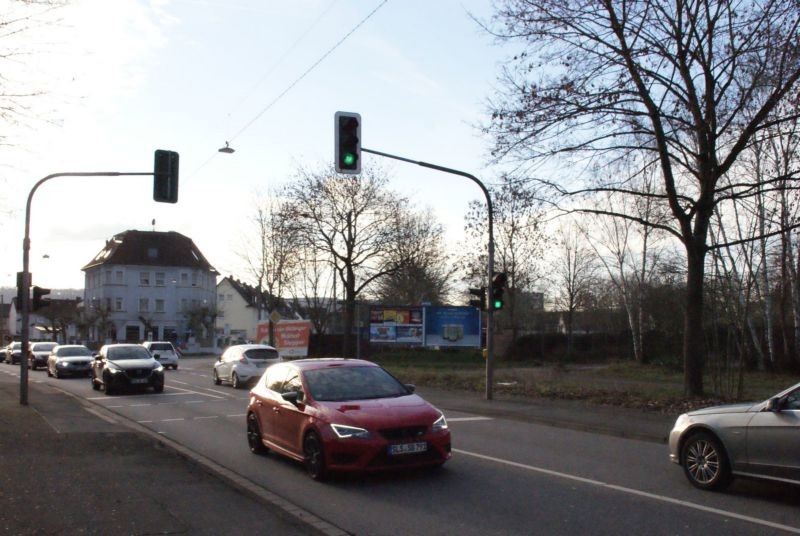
x: 248, y: 293
x: 150, y: 248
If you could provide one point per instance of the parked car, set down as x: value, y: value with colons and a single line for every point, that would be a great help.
x: 344, y: 415
x: 119, y: 366
x: 242, y: 364
x: 14, y: 353
x: 69, y: 360
x: 760, y: 440
x: 38, y: 354
x: 164, y: 352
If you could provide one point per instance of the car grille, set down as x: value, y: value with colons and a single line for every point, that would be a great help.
x: 138, y: 373
x: 406, y: 432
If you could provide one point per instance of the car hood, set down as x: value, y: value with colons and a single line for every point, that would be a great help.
x: 75, y: 359
x: 381, y: 413
x: 730, y: 408
x: 128, y: 364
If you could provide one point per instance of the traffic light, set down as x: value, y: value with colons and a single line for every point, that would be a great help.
x: 347, y: 144
x: 498, y: 286
x: 480, y: 301
x: 38, y: 300
x: 165, y: 177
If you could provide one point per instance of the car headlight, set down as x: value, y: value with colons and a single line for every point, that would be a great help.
x: 439, y: 424
x: 62, y: 364
x: 112, y: 368
x: 349, y: 432
x: 158, y: 368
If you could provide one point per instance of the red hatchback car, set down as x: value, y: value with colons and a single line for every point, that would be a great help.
x: 344, y: 415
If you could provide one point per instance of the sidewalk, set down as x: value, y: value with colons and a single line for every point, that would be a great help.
x: 67, y: 470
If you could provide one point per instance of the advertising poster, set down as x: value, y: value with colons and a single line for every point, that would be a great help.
x: 291, y: 337
x: 396, y: 325
x: 452, y: 326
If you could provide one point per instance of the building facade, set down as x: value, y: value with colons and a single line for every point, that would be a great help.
x: 239, y: 312
x: 147, y: 285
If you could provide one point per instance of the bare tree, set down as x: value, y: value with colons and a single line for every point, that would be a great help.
x: 355, y: 222
x: 684, y: 84
x: 572, y: 276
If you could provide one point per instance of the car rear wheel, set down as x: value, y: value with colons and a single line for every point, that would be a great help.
x: 214, y: 374
x: 254, y: 435
x: 108, y: 387
x: 705, y: 462
x: 314, y: 457
x: 235, y: 382
x: 95, y: 384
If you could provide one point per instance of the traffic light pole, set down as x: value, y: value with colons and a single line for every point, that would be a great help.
x: 489, y: 310
x: 26, y: 275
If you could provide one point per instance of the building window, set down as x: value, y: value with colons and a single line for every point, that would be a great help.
x: 152, y: 253
x: 118, y: 304
x: 159, y: 306
x: 184, y: 279
x: 144, y: 305
x: 159, y: 279
x: 194, y: 279
x: 230, y: 297
x: 184, y: 304
x: 108, y: 277
x: 221, y: 297
x: 144, y: 279
x: 118, y: 279
x: 108, y: 304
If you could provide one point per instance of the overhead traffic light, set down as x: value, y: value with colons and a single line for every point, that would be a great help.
x: 165, y: 177
x: 498, y: 286
x: 347, y: 144
x: 480, y: 301
x: 38, y: 298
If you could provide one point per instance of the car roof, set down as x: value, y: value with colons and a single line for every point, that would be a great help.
x: 156, y: 342
x: 120, y: 345
x: 44, y: 342
x: 330, y: 362
x: 250, y: 346
x: 72, y: 346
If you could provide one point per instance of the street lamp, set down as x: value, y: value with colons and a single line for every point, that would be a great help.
x: 227, y: 149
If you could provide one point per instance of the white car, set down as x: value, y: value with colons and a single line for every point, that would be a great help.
x: 244, y: 363
x: 164, y: 352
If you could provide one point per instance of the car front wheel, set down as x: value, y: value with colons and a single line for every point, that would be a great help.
x: 705, y: 462
x: 217, y: 381
x: 254, y: 435
x: 314, y: 457
x: 235, y: 383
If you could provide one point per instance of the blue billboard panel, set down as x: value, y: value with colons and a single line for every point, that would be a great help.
x: 452, y: 326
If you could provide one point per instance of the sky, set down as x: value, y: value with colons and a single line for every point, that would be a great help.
x: 122, y: 78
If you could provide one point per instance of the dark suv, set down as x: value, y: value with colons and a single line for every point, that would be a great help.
x: 120, y: 366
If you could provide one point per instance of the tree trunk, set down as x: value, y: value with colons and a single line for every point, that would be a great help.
x: 693, y: 339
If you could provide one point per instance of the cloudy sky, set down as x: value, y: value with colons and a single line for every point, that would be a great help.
x: 121, y: 78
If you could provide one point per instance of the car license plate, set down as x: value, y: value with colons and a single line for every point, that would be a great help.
x: 139, y: 380
x: 407, y: 448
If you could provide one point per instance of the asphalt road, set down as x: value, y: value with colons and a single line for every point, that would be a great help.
x: 506, y: 477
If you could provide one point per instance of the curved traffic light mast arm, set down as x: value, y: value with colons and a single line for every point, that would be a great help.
x: 490, y: 274
x: 26, y: 277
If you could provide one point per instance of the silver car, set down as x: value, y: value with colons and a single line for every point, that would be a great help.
x: 244, y: 363
x: 70, y: 360
x: 760, y: 440
x: 164, y: 352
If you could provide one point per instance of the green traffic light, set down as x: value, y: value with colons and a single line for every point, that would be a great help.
x: 498, y: 304
x: 349, y: 159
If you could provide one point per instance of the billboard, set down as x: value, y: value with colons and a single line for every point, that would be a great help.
x: 425, y: 326
x: 291, y: 336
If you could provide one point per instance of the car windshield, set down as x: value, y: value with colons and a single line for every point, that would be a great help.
x: 73, y: 352
x: 161, y: 347
x: 128, y: 352
x: 43, y: 346
x: 261, y: 354
x: 337, y: 384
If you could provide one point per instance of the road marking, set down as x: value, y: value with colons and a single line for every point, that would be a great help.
x: 139, y: 405
x: 143, y: 422
x: 203, y: 417
x: 465, y: 419
x: 172, y: 420
x: 632, y: 491
x: 239, y: 415
x: 218, y: 392
x: 195, y: 392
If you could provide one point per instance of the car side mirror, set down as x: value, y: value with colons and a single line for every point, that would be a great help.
x: 411, y: 387
x: 292, y: 397
x: 774, y: 404
x: 156, y: 356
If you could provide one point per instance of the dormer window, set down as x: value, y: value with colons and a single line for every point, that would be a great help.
x: 152, y: 253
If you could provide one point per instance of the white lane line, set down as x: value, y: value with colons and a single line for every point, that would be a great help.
x: 195, y: 402
x: 218, y: 392
x: 144, y: 422
x: 465, y: 419
x: 172, y: 420
x: 188, y: 391
x: 239, y: 415
x: 636, y: 492
x: 117, y: 397
x: 204, y: 417
x: 138, y: 405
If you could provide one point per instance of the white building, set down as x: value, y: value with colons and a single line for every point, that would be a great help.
x: 151, y: 286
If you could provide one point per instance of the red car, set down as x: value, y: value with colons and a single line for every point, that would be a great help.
x: 344, y: 415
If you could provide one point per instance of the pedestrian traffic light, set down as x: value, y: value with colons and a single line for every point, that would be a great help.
x: 347, y: 144
x: 38, y: 300
x: 165, y: 177
x: 480, y: 301
x: 498, y: 286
